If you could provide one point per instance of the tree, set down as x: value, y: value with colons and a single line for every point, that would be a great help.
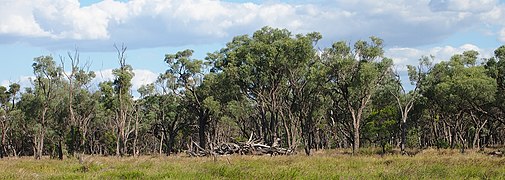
x: 461, y: 90
x: 47, y: 76
x: 80, y: 111
x: 495, y: 67
x: 269, y: 69
x: 182, y: 78
x: 381, y: 125
x: 4, y: 100
x: 122, y: 88
x: 354, y: 76
x: 405, y: 100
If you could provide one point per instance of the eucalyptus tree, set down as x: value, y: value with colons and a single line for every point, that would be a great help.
x: 104, y: 126
x: 116, y: 99
x: 4, y: 100
x: 81, y: 106
x: 47, y: 77
x: 406, y: 99
x: 270, y: 69
x: 10, y: 119
x: 354, y: 75
x: 305, y: 80
x: 461, y: 90
x: 182, y: 79
x: 495, y: 67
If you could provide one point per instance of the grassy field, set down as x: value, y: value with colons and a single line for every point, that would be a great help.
x: 429, y: 164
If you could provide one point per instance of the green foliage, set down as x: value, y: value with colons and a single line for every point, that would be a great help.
x: 413, y: 138
x: 278, y: 86
x: 443, y: 144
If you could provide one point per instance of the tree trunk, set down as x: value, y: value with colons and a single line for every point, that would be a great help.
x: 404, y: 134
x: 356, y: 125
x: 40, y: 142
x: 171, y: 142
x: 118, y: 153
x: 3, y: 151
x: 161, y: 142
x: 355, y: 146
x: 136, y: 137
x: 60, y: 149
x: 202, y: 127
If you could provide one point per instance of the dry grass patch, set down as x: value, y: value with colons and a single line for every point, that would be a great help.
x: 338, y: 164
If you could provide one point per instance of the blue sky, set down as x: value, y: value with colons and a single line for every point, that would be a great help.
x: 152, y: 28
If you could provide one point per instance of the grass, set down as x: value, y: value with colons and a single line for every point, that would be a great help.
x: 335, y: 164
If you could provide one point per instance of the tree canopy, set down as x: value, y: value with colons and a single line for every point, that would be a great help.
x: 273, y: 87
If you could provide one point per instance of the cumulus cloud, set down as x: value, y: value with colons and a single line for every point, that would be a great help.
x: 153, y: 23
x: 463, y: 5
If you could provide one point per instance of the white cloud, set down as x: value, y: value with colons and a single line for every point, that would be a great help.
x: 463, y: 5
x: 153, y: 23
x: 143, y: 77
x: 23, y: 81
x: 411, y: 56
x: 501, y: 35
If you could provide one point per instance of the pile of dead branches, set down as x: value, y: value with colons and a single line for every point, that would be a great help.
x: 250, y: 147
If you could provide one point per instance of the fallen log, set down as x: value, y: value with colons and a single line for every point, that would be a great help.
x: 245, y: 148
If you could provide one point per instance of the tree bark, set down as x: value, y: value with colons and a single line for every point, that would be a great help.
x: 40, y: 141
x: 404, y: 134
x: 202, y: 127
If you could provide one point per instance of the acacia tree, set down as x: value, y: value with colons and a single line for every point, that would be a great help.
x: 355, y: 75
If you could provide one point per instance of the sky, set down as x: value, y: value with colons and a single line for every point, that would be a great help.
x: 152, y: 28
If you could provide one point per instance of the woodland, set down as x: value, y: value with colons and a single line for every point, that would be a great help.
x: 269, y: 92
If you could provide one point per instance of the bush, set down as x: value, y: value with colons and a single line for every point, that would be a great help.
x: 442, y: 144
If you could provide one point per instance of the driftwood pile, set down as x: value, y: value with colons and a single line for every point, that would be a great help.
x: 242, y: 148
x: 496, y: 153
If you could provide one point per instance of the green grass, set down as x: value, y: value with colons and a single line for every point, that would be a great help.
x: 429, y: 164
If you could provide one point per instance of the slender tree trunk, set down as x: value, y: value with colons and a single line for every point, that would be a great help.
x: 3, y: 151
x: 60, y: 149
x: 118, y: 148
x: 161, y: 142
x: 476, y: 139
x: 136, y: 137
x: 42, y: 133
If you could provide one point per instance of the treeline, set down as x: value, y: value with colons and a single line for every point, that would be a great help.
x: 273, y: 86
